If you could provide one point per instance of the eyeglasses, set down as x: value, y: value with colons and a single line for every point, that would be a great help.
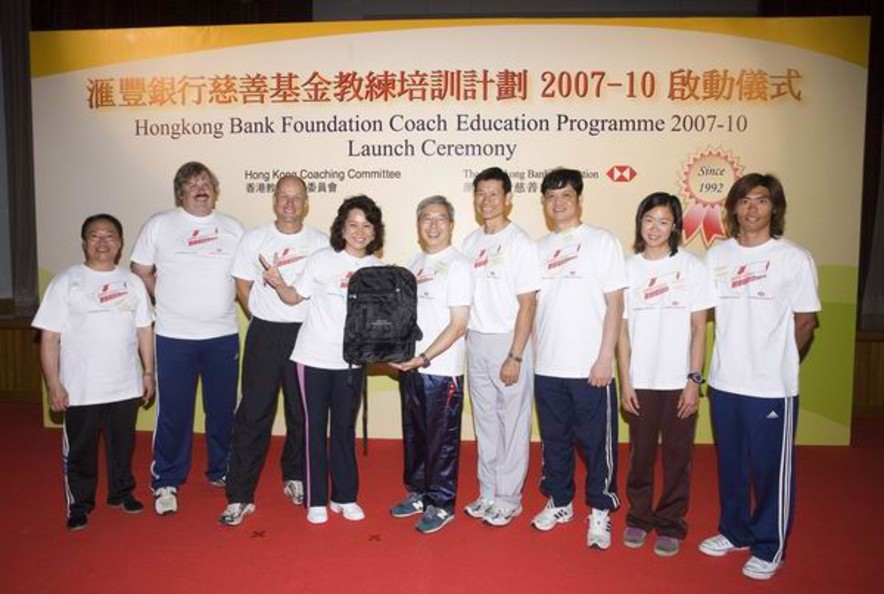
x: 102, y: 238
x: 435, y: 220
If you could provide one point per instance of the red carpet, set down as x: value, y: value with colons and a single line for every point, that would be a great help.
x: 834, y: 546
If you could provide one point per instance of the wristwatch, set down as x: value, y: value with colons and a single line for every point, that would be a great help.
x: 514, y: 357
x: 697, y: 378
x: 426, y: 360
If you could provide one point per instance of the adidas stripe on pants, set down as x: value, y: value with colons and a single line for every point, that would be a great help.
x: 754, y: 440
x: 573, y: 413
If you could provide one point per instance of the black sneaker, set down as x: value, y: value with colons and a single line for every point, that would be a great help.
x: 77, y: 521
x: 129, y: 504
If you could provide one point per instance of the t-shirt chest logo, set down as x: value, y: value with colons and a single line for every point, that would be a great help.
x: 112, y: 294
x: 746, y: 274
x: 425, y: 275
x: 562, y: 256
x: 287, y: 256
x: 345, y: 280
x: 489, y: 257
x: 481, y: 260
x: 659, y: 287
x: 202, y: 236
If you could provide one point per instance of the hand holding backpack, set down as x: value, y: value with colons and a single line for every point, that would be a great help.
x: 381, y: 321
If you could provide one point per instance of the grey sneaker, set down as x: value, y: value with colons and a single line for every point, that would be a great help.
x: 165, y: 501
x: 294, y: 490
x: 634, y: 537
x: 236, y: 513
x: 666, y: 546
x: 433, y: 520
x: 412, y: 505
x: 759, y: 569
x: 718, y: 546
x: 479, y: 508
x: 552, y: 515
x: 599, y: 534
x: 219, y: 482
x: 501, y: 516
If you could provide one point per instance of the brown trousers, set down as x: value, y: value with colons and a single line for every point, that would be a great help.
x: 658, y: 419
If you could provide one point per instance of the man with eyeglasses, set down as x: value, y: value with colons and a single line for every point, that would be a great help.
x: 96, y: 350
x: 184, y: 256
x: 431, y: 384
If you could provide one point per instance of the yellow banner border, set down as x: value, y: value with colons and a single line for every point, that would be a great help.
x: 57, y: 52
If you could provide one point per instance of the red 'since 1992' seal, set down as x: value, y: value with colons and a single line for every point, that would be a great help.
x: 705, y: 181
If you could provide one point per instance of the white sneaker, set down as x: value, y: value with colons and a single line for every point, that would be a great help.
x: 759, y: 569
x: 294, y: 490
x: 718, y: 546
x: 599, y: 534
x: 165, y: 500
x: 351, y: 511
x: 501, y: 516
x: 317, y: 514
x: 551, y: 515
x: 479, y: 508
x: 236, y: 513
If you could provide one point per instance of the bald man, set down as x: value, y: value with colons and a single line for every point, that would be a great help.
x: 273, y: 329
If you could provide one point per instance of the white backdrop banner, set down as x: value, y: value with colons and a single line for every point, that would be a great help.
x: 404, y: 110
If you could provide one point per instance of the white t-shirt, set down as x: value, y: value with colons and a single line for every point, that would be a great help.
x: 659, y: 301
x: 578, y: 267
x: 759, y: 289
x: 194, y: 290
x: 504, y: 265
x: 324, y: 281
x: 289, y: 251
x: 443, y: 281
x: 97, y: 314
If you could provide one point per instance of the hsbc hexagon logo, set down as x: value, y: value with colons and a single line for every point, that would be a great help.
x: 621, y: 173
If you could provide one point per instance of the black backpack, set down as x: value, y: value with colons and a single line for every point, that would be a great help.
x: 381, y: 316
